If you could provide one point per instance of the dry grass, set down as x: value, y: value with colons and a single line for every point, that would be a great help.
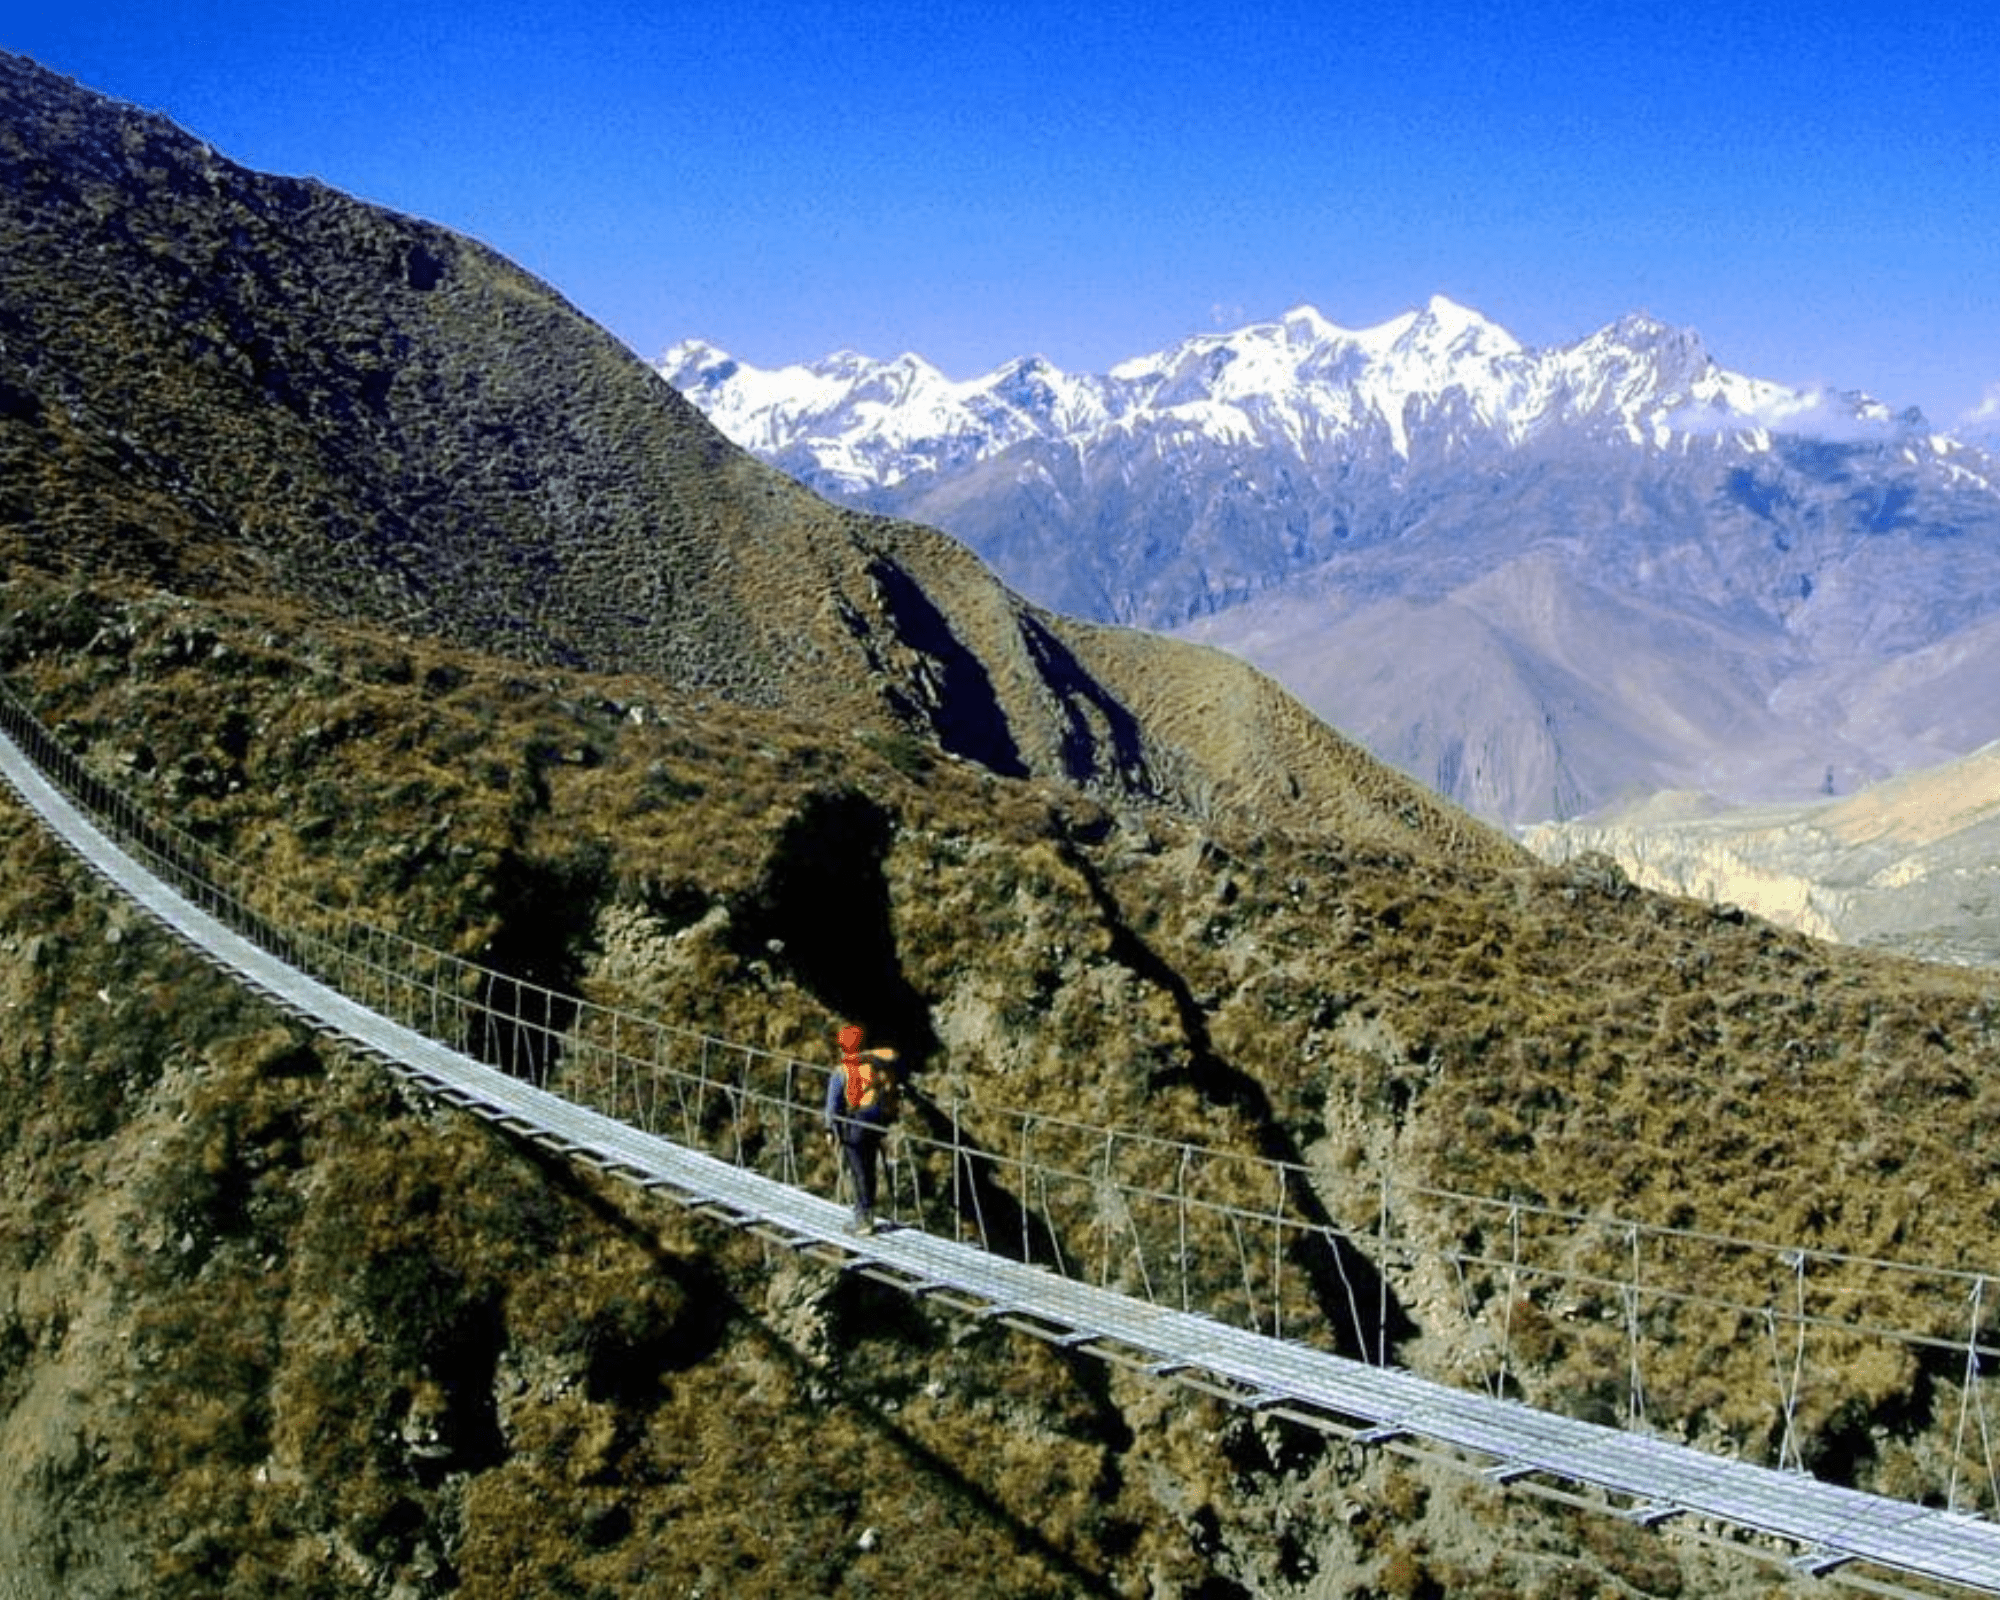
x: 390, y: 1337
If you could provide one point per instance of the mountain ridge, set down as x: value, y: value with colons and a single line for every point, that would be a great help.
x: 857, y: 423
x: 1907, y: 864
x: 1282, y: 490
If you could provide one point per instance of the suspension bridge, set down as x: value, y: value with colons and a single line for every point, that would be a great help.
x: 1130, y: 1248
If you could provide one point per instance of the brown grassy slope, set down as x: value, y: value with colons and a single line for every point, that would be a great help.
x: 1543, y: 1034
x: 270, y: 1329
x: 236, y: 383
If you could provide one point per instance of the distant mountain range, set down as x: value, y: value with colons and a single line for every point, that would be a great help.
x: 1539, y: 580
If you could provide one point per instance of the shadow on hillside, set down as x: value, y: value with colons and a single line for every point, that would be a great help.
x: 822, y: 911
x: 706, y: 1288
x: 538, y: 950
x: 1342, y: 1278
x: 965, y: 713
x: 1081, y: 697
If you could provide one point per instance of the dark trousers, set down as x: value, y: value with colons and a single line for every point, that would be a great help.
x: 860, y: 1143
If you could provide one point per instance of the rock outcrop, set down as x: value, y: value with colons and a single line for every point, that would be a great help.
x: 1911, y: 864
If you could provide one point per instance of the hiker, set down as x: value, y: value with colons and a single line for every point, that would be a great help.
x: 860, y: 1105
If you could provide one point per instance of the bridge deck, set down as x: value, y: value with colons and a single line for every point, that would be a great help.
x: 1831, y: 1524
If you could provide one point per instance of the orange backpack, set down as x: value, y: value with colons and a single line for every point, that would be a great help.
x: 868, y: 1088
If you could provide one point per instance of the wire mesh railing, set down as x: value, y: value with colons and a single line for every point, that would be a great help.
x: 1769, y: 1351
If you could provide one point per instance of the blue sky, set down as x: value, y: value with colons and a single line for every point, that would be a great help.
x: 1815, y: 189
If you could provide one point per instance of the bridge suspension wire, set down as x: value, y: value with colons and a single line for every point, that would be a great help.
x: 723, y: 1125
x: 1972, y: 1399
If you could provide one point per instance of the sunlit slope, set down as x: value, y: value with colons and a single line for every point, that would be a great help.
x: 1909, y: 864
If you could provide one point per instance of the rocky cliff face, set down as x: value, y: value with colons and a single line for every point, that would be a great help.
x: 268, y: 1325
x: 1911, y: 864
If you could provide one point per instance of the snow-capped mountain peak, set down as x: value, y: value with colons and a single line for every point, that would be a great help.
x: 1438, y: 377
x: 1448, y: 327
x: 1303, y: 326
x: 1535, y: 577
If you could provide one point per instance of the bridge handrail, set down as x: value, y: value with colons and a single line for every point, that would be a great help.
x: 200, y: 866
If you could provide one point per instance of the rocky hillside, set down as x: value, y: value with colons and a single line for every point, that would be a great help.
x: 1911, y: 864
x: 270, y: 1326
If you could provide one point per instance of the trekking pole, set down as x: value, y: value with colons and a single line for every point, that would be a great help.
x: 840, y: 1175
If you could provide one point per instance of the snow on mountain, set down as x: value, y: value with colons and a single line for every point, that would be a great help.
x: 847, y: 424
x: 1756, y: 584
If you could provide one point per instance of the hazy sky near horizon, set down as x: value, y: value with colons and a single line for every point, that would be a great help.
x: 1815, y: 190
